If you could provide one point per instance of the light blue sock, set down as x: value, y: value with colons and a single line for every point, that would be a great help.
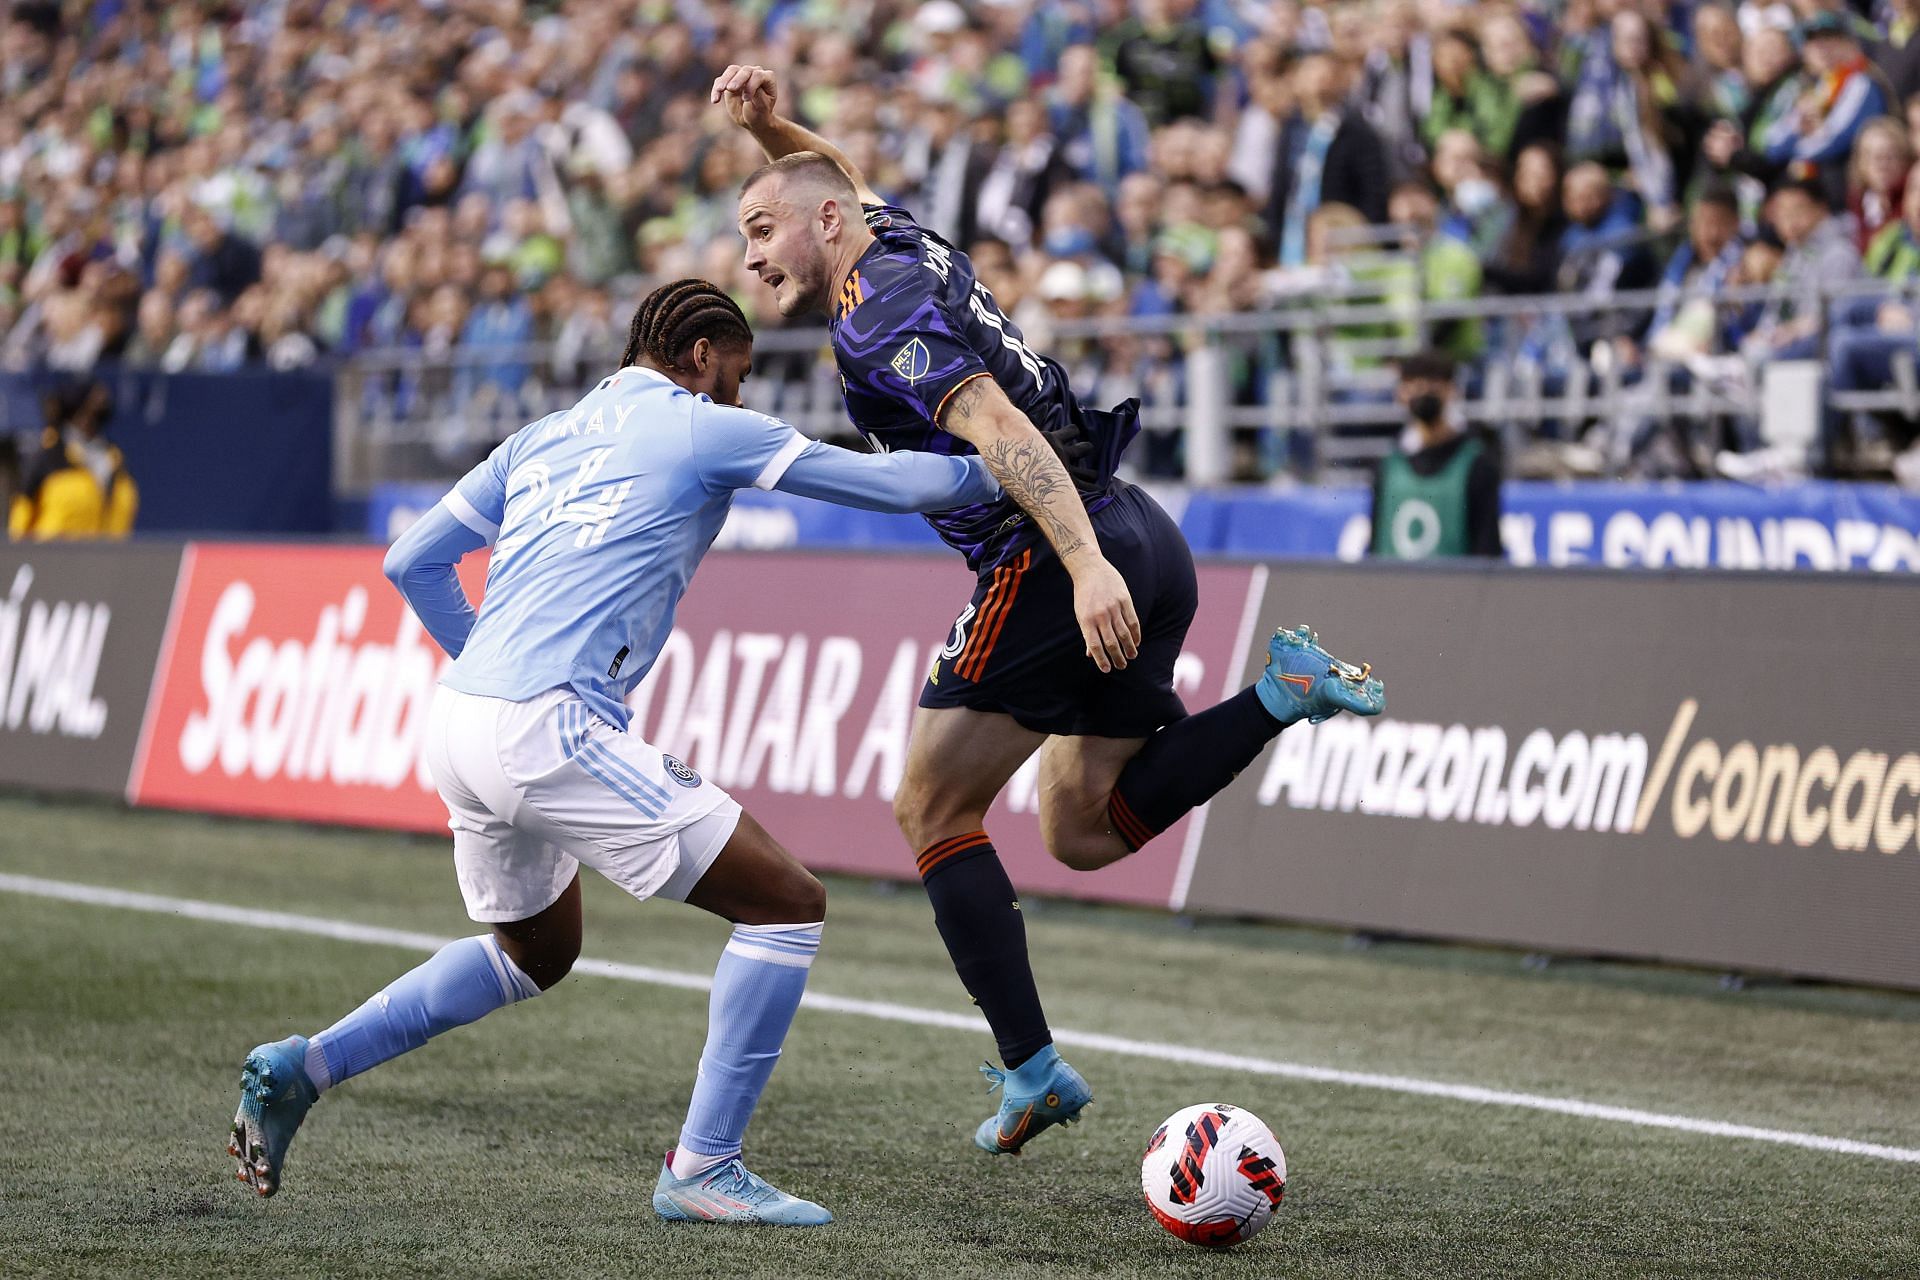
x: 464, y: 981
x: 756, y: 989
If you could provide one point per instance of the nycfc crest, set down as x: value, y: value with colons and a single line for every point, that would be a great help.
x: 679, y: 772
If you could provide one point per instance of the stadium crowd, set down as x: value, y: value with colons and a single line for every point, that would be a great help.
x: 279, y: 182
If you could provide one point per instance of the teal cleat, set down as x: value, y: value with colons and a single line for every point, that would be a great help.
x: 729, y: 1193
x: 1305, y: 682
x: 275, y: 1095
x: 1041, y: 1092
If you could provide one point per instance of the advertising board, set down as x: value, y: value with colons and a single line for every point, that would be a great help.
x: 80, y: 624
x: 1721, y: 769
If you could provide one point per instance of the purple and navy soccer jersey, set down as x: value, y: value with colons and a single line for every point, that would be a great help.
x: 911, y: 325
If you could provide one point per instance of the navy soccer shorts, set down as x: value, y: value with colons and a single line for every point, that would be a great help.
x: 1016, y: 648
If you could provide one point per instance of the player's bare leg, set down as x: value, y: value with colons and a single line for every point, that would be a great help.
x: 778, y: 909
x: 1077, y: 777
x: 755, y: 881
x: 544, y: 946
x: 957, y: 762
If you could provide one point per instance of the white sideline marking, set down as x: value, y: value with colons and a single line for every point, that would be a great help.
x: 347, y: 931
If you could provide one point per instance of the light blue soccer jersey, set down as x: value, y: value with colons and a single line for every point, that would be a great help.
x: 598, y: 518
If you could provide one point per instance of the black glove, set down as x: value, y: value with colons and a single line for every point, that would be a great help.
x: 1074, y: 449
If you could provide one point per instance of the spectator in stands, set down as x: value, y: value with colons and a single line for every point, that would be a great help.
x: 1164, y: 59
x: 226, y: 336
x: 509, y: 163
x: 1539, y: 105
x: 1395, y: 84
x: 1478, y: 212
x: 1254, y: 148
x: 1028, y: 168
x: 1466, y: 97
x: 1776, y: 81
x: 1623, y: 114
x: 1867, y: 334
x: 1818, y: 250
x: 1438, y: 494
x: 1759, y: 264
x: 1894, y: 254
x: 76, y: 485
x: 373, y: 186
x: 153, y: 331
x: 1716, y: 82
x: 1526, y: 260
x: 1897, y: 53
x: 1103, y: 137
x: 1876, y: 176
x: 945, y: 160
x: 574, y: 144
x: 1446, y: 268
x: 1686, y: 323
x: 500, y: 322
x: 1137, y: 218
x: 221, y: 261
x: 1603, y: 252
x: 1328, y: 154
x: 1816, y: 138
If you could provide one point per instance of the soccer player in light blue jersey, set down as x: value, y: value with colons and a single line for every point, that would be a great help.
x: 597, y: 518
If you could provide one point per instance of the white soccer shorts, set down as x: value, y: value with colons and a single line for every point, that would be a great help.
x: 536, y: 788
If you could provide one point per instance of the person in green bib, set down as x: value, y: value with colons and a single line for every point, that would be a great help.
x: 1442, y: 496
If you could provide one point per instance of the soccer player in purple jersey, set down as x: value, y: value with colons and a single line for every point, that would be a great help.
x: 1085, y: 586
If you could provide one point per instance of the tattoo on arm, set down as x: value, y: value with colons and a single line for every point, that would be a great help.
x: 1028, y: 471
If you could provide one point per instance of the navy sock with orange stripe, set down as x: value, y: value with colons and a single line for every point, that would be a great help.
x: 1188, y: 763
x: 978, y: 915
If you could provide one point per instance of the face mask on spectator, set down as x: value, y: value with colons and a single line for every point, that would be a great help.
x: 1475, y: 196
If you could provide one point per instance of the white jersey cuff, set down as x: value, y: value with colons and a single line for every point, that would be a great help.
x: 469, y: 515
x: 777, y: 465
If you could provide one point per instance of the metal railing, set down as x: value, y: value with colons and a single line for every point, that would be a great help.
x: 1306, y: 388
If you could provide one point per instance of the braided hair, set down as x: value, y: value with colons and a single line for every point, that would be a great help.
x: 675, y: 316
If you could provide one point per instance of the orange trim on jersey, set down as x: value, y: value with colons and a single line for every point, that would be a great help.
x: 940, y: 409
x: 853, y: 292
x: 941, y: 852
x: 1127, y: 823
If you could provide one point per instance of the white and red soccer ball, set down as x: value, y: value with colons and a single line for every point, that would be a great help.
x: 1213, y: 1174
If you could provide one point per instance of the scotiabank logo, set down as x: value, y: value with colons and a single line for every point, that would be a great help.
x: 295, y: 684
x: 1851, y: 799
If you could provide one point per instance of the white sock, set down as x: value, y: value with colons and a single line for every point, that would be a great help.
x: 691, y: 1164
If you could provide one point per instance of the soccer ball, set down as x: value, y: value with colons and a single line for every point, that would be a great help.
x: 1213, y: 1174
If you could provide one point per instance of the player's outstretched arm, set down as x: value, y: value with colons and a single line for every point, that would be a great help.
x: 1020, y: 458
x: 894, y: 482
x: 420, y: 564
x: 749, y: 95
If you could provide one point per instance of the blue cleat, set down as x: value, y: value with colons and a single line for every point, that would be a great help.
x: 275, y: 1095
x: 729, y: 1193
x: 1041, y: 1092
x: 1305, y: 682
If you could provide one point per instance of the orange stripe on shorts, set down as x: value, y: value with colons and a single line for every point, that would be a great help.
x: 989, y: 629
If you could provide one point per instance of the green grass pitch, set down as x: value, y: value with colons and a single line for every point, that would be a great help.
x: 527, y: 1144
